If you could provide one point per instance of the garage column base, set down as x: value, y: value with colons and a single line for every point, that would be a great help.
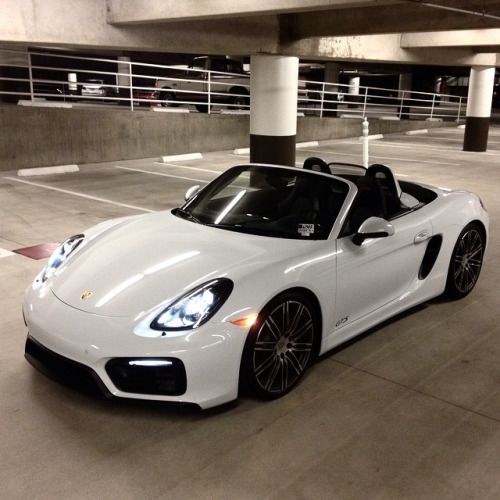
x: 476, y: 133
x: 277, y: 150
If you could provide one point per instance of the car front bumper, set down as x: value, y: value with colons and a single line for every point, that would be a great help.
x: 199, y: 367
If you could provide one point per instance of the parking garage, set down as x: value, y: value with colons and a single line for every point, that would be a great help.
x: 406, y: 409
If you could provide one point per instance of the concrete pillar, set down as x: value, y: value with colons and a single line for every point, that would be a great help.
x: 273, y: 111
x: 477, y: 124
x: 332, y: 75
x: 332, y: 72
x: 405, y: 82
x: 123, y: 78
x: 354, y: 85
x: 404, y: 93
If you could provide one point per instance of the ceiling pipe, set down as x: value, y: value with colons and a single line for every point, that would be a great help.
x: 478, y: 13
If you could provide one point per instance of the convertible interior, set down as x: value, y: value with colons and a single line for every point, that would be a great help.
x: 380, y: 194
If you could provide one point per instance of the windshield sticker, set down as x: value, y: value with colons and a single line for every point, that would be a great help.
x: 306, y: 229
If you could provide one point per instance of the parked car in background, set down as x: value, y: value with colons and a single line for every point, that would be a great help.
x: 94, y: 88
x: 229, y: 84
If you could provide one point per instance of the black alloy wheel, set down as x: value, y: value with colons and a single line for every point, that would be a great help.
x: 280, y: 346
x: 170, y: 97
x: 239, y: 102
x: 466, y: 262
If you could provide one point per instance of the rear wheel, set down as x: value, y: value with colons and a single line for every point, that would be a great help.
x: 170, y: 97
x: 202, y: 108
x: 466, y: 262
x: 240, y: 101
x: 280, y: 346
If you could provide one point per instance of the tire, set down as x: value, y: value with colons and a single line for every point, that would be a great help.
x: 168, y: 96
x: 466, y: 262
x: 202, y: 108
x: 274, y: 360
x: 239, y: 101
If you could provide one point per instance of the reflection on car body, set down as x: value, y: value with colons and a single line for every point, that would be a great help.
x: 248, y: 281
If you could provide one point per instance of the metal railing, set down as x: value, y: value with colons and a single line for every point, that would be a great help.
x: 27, y: 78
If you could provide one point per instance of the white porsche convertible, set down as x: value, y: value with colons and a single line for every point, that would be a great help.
x: 245, y: 284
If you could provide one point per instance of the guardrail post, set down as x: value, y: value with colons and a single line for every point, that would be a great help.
x: 459, y: 108
x: 131, y: 87
x: 366, y: 126
x: 30, y: 74
x: 209, y: 90
x: 364, y: 105
x: 322, y: 100
x: 401, y: 104
x: 432, y: 107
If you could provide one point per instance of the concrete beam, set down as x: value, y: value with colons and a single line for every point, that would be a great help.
x: 384, y: 48
x: 154, y: 11
x: 407, y: 17
x: 82, y: 24
x: 459, y: 38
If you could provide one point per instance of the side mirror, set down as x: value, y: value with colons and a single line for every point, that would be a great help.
x: 373, y: 227
x: 192, y: 191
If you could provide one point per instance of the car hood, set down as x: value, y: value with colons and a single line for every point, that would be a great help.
x: 148, y: 261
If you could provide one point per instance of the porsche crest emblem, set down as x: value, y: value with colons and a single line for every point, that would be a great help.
x: 86, y: 295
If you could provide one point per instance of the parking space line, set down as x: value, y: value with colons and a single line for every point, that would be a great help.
x: 162, y: 174
x: 189, y: 168
x: 81, y: 195
x: 431, y: 148
x: 358, y: 155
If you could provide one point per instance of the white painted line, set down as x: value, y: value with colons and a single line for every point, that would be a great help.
x: 373, y: 137
x: 5, y: 253
x: 430, y: 148
x: 389, y: 118
x: 309, y: 144
x: 189, y: 168
x: 157, y: 109
x: 44, y: 104
x: 401, y: 175
x: 81, y: 195
x: 433, y: 119
x: 183, y: 157
x: 413, y: 160
x: 417, y: 132
x: 235, y: 112
x: 59, y: 169
x: 241, y: 151
x: 351, y: 116
x: 162, y: 174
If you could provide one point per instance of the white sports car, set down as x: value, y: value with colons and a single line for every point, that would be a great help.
x: 250, y: 280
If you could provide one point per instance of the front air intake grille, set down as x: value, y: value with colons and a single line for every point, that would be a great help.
x: 158, y: 376
x: 64, y: 370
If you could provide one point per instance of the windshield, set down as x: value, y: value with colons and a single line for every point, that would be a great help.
x: 269, y: 201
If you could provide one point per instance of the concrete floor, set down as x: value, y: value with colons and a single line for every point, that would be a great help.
x: 410, y: 410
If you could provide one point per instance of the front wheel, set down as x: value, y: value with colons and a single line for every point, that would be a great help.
x: 466, y: 262
x: 280, y: 346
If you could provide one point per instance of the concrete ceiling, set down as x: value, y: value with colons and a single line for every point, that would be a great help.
x: 441, y: 32
x: 413, y: 31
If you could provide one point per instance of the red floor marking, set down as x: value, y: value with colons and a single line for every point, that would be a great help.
x: 37, y: 252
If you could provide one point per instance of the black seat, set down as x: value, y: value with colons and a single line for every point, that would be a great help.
x: 388, y: 188
x: 316, y: 164
x: 369, y: 203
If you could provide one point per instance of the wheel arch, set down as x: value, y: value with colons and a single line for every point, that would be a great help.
x: 238, y: 89
x: 311, y: 297
x: 482, y: 227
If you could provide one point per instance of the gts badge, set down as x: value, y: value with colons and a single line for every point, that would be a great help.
x: 342, y: 321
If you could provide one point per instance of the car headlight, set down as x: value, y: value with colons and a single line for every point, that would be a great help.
x: 194, y: 308
x: 60, y: 254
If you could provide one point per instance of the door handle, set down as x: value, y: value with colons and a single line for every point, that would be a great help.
x: 422, y: 236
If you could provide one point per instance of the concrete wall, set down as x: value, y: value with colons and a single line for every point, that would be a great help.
x: 36, y: 137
